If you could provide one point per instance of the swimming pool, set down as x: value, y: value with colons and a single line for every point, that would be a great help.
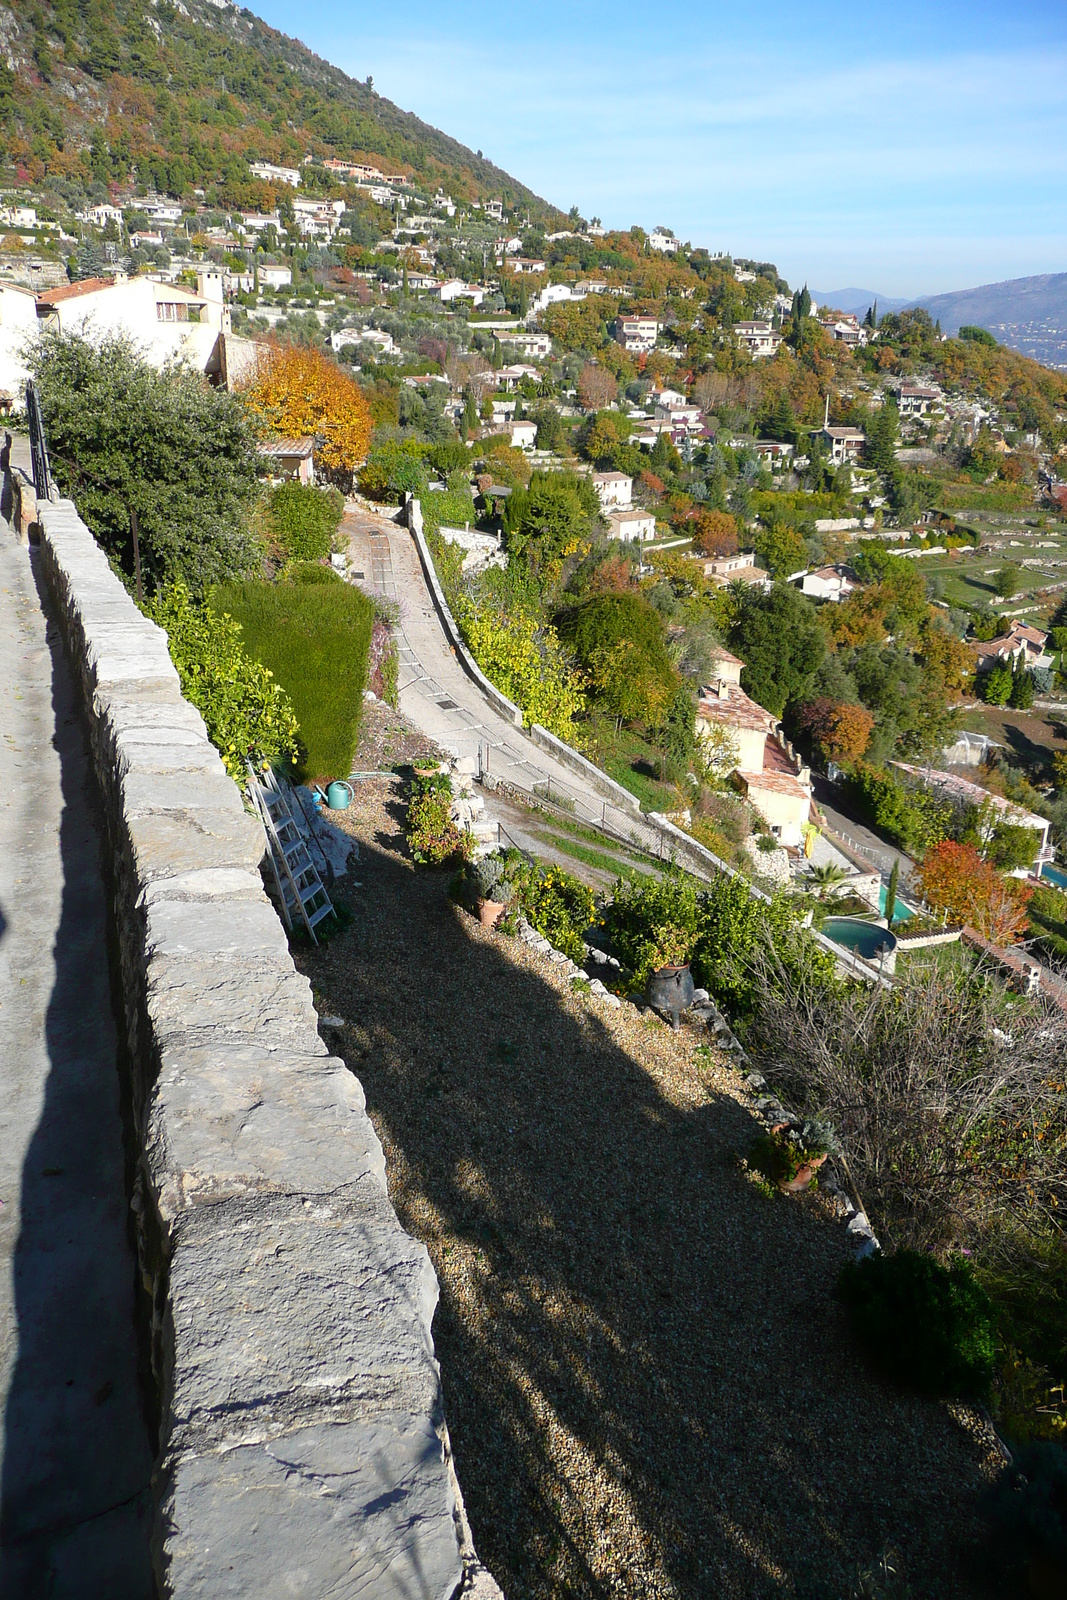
x: 866, y: 939
x: 902, y: 910
x: 1054, y: 875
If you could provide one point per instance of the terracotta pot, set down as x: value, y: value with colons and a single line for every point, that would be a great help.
x: 490, y: 912
x: 804, y: 1175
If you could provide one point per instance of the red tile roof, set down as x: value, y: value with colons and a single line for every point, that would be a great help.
x: 70, y: 291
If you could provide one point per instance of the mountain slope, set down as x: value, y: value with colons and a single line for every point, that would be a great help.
x: 1029, y: 314
x: 182, y: 93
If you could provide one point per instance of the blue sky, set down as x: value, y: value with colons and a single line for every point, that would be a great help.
x: 908, y: 149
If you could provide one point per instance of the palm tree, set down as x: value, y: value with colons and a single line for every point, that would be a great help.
x: 826, y: 878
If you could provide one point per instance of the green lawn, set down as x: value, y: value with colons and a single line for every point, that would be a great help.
x: 631, y: 761
x: 315, y: 639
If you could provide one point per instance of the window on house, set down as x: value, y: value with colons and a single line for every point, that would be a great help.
x: 172, y: 311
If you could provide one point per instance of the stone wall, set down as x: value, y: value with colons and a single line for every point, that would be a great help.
x: 286, y: 1313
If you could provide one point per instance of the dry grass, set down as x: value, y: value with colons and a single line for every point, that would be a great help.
x: 650, y: 1388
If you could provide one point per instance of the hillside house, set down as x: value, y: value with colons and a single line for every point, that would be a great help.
x: 523, y: 434
x: 382, y: 342
x: 456, y: 289
x: 827, y: 583
x: 843, y: 444
x: 259, y: 222
x: 272, y: 174
x: 740, y: 568
x: 663, y: 239
x: 995, y: 809
x: 318, y: 219
x: 631, y: 523
x: 680, y: 415
x: 1022, y: 642
x: 915, y: 401
x: 274, y: 277
x: 760, y: 337
x: 18, y: 323
x: 530, y: 344
x: 613, y: 488
x: 510, y: 378
x: 527, y: 264
x: 637, y: 333
x: 774, y: 454
x: 166, y: 322
x: 768, y: 772
x: 845, y: 329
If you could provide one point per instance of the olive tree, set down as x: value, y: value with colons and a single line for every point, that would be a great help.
x: 126, y: 437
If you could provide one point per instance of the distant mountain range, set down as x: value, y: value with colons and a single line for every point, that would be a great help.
x: 1027, y: 314
x: 856, y: 300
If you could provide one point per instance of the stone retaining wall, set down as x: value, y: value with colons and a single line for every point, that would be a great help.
x: 286, y: 1312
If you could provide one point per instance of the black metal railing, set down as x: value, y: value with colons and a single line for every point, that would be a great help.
x: 42, y: 473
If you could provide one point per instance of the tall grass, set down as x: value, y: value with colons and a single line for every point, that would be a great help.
x: 315, y: 639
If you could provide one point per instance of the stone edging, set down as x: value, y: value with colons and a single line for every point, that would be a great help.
x: 285, y: 1314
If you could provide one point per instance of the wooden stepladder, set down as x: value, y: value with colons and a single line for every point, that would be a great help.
x: 301, y: 892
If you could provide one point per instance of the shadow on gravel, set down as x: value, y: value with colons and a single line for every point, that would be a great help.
x: 648, y: 1384
x: 76, y: 1458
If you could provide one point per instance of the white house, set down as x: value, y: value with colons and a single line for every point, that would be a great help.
x: 272, y: 174
x: 101, y: 215
x: 456, y: 289
x: 274, y: 277
x: 761, y: 338
x: 631, y: 523
x: 844, y: 329
x: 613, y: 488
x: 637, y: 333
x: 663, y: 239
x: 509, y: 378
x: 164, y: 320
x: 18, y: 324
x: 18, y: 216
x: 740, y: 568
x: 318, y: 218
x: 146, y: 241
x: 260, y: 221
x: 826, y: 583
x: 993, y: 807
x: 523, y: 434
x: 383, y: 341
x: 530, y: 344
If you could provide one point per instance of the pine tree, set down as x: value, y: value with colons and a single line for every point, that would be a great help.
x: 1021, y: 697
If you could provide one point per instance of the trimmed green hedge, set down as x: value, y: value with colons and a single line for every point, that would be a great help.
x: 315, y: 639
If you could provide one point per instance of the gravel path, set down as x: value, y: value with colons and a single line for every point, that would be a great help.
x: 649, y: 1385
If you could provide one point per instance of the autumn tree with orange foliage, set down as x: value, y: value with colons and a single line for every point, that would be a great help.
x: 714, y: 532
x: 596, y: 387
x: 955, y: 878
x: 296, y: 392
x: 840, y: 730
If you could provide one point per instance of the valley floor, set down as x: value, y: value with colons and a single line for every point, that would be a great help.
x: 650, y: 1388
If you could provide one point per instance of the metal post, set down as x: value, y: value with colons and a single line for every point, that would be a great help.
x: 42, y: 477
x: 136, y: 553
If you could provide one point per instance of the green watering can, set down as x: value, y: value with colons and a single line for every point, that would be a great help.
x: 339, y: 795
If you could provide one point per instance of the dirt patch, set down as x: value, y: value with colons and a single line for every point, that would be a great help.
x: 387, y: 739
x: 650, y: 1386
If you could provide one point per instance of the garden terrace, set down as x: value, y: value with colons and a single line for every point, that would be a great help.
x: 650, y: 1387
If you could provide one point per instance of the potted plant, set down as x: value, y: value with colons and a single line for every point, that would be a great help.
x: 790, y: 1155
x: 670, y: 986
x: 488, y: 889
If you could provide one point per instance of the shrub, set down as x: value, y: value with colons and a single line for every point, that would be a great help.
x: 525, y: 660
x: 304, y: 520
x: 557, y: 904
x: 247, y: 713
x: 432, y: 836
x: 179, y: 453
x: 315, y: 640
x: 927, y: 1325
x: 654, y: 924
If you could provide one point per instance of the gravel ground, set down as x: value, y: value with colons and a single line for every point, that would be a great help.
x: 650, y: 1389
x: 387, y: 739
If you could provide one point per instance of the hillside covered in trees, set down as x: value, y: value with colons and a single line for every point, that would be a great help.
x: 183, y: 96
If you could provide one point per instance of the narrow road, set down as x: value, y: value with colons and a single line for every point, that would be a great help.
x: 880, y: 852
x: 440, y: 698
x: 74, y: 1451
